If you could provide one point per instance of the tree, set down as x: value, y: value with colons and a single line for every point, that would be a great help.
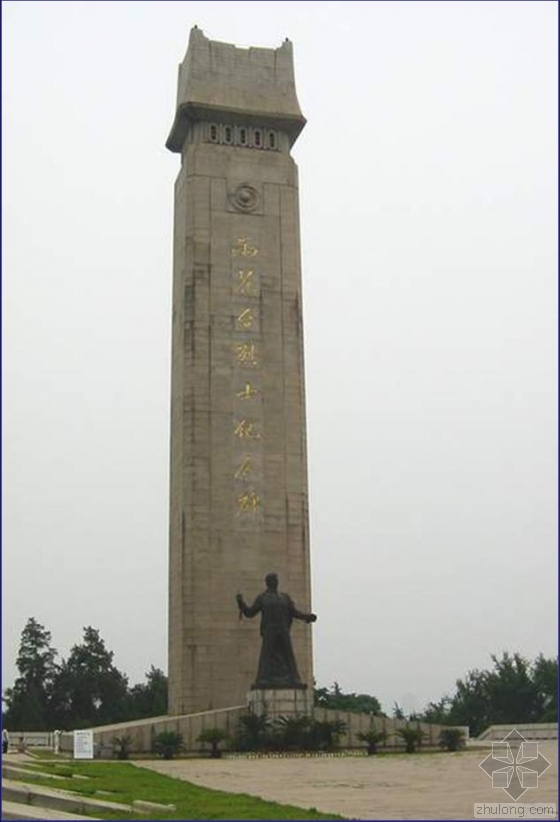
x: 253, y: 732
x: 30, y: 700
x: 89, y: 689
x: 213, y: 736
x: 293, y: 732
x: 470, y: 705
x: 412, y: 737
x: 149, y: 699
x: 372, y: 738
x: 437, y: 712
x: 398, y: 712
x: 121, y: 745
x: 545, y: 677
x: 86, y: 689
x: 506, y: 694
x: 169, y: 743
x: 335, y: 699
x: 451, y: 739
x: 327, y: 733
x: 512, y: 691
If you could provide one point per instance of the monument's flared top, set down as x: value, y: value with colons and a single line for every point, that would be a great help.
x: 254, y: 85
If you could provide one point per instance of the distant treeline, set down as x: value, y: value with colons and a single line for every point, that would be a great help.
x: 79, y: 692
x: 87, y: 689
x: 514, y: 690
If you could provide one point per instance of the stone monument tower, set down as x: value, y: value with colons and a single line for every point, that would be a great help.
x: 239, y: 502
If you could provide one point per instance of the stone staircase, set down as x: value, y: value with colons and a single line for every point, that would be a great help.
x: 14, y: 810
x: 26, y: 801
x: 531, y: 731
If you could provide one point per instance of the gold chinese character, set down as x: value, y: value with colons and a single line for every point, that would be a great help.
x: 246, y: 284
x: 246, y: 354
x: 244, y: 469
x: 246, y: 318
x: 247, y: 430
x: 248, y: 502
x: 243, y: 249
x: 246, y: 392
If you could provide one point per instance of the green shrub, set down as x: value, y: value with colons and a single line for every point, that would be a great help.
x: 412, y: 737
x: 452, y: 739
x: 121, y: 746
x: 326, y: 734
x: 292, y: 733
x: 253, y: 733
x: 373, y: 738
x: 299, y: 733
x: 213, y: 736
x: 168, y: 743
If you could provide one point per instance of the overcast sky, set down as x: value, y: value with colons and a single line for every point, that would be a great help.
x: 428, y: 186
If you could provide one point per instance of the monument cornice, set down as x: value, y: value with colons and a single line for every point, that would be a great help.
x: 190, y: 113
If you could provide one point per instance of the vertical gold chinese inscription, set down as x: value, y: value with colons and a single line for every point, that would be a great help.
x: 247, y: 392
x: 246, y: 282
x: 246, y: 319
x: 242, y: 248
x: 247, y: 354
x: 248, y: 502
x: 245, y: 469
x: 247, y: 430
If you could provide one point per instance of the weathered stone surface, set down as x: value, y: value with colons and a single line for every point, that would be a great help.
x: 253, y: 85
x: 56, y: 799
x: 142, y: 806
x: 13, y: 772
x: 15, y: 810
x: 281, y: 702
x: 239, y: 501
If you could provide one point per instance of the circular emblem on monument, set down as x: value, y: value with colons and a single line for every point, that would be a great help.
x: 244, y: 198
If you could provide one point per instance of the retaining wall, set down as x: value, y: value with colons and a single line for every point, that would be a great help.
x: 534, y: 730
x: 143, y: 732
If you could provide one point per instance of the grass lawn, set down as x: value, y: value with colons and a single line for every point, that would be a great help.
x: 125, y: 782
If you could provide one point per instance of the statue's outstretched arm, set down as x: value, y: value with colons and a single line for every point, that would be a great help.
x: 306, y: 617
x: 248, y: 610
x: 300, y: 615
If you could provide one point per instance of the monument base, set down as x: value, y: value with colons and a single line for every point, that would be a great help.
x: 276, y: 702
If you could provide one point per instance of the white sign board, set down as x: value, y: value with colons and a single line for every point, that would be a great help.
x: 83, y: 744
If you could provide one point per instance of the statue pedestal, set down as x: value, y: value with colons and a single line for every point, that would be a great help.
x: 275, y: 702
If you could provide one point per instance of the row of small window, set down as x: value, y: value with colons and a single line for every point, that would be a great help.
x: 242, y: 136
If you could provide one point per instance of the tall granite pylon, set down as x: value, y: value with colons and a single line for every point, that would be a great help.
x: 239, y: 500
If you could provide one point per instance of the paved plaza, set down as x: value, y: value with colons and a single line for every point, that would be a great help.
x: 424, y: 786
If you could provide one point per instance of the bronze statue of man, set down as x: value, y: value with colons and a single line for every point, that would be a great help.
x: 277, y: 663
